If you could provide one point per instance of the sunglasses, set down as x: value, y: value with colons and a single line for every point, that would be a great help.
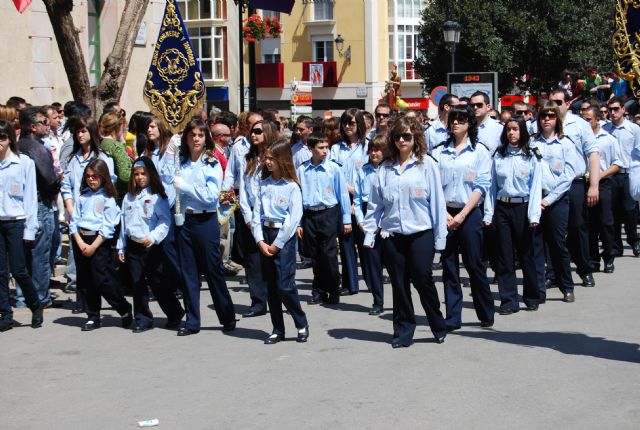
x: 407, y: 137
x: 92, y: 176
x: 43, y: 122
x: 557, y: 102
x: 604, y: 111
x: 383, y: 115
x: 614, y: 109
x: 549, y: 115
x: 349, y: 123
x: 256, y: 131
x: 4, y: 136
x: 493, y: 116
x: 477, y: 105
x: 521, y: 112
x: 459, y: 119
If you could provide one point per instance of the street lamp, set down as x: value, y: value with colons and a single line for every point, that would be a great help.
x: 451, y: 31
x: 343, y: 53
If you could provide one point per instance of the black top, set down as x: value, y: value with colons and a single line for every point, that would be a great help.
x: 46, y: 181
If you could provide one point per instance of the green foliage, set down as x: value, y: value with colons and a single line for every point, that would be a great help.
x: 513, y: 38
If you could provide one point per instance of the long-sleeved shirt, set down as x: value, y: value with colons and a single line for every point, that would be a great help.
x: 516, y: 175
x: 350, y: 158
x: 489, y: 133
x: 95, y: 211
x: 558, y: 166
x: 166, y: 167
x: 579, y: 132
x: 279, y: 201
x: 118, y: 151
x: 300, y: 153
x: 47, y: 181
x: 628, y: 135
x: 362, y: 185
x: 249, y: 193
x: 236, y: 164
x: 75, y: 169
x: 323, y: 184
x: 435, y: 134
x: 407, y: 202
x: 18, y: 192
x: 144, y: 214
x: 203, y: 181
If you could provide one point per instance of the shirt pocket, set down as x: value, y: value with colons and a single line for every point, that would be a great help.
x: 522, y: 169
x: 147, y: 209
x: 98, y: 206
x: 16, y: 189
x: 418, y: 191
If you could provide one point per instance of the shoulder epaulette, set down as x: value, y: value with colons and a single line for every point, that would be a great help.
x: 211, y: 161
x: 339, y: 164
x: 537, y: 153
x: 432, y: 157
x: 484, y: 146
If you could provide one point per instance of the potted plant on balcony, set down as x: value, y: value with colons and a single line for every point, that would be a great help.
x: 256, y: 28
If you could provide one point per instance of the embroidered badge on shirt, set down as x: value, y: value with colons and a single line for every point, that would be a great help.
x: 282, y: 201
x: 99, y: 206
x: 329, y: 190
x: 419, y: 192
x: 470, y: 176
x: 15, y: 189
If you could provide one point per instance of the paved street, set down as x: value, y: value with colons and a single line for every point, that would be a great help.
x: 570, y: 366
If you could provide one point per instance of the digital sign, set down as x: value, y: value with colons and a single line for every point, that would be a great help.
x: 465, y: 84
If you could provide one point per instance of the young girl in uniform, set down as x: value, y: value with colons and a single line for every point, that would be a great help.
x: 95, y: 217
x: 276, y: 216
x: 145, y: 223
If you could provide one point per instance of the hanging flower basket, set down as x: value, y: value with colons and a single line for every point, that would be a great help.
x: 255, y: 28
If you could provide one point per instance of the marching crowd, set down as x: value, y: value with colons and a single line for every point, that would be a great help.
x: 530, y: 188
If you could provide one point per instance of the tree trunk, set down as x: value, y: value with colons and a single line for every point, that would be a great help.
x: 116, y: 67
x: 66, y: 33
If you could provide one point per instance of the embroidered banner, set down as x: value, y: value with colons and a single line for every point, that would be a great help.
x: 626, y: 42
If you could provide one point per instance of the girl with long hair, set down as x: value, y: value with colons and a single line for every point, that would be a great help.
x: 276, y: 216
x: 93, y: 223
x: 198, y: 239
x: 145, y: 223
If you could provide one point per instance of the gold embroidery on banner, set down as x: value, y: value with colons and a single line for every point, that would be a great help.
x: 626, y: 50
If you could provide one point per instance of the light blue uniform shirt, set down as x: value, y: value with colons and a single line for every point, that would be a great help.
x: 362, y: 185
x: 463, y: 173
x: 144, y: 214
x: 203, y: 180
x: 236, y: 164
x: 609, y: 151
x: 558, y: 166
x: 407, y: 202
x: 95, y: 211
x: 435, y: 134
x: 516, y: 175
x: 70, y: 187
x: 280, y: 201
x: 350, y: 158
x: 166, y: 167
x: 579, y: 132
x: 324, y: 185
x: 300, y: 153
x: 489, y: 133
x: 249, y: 193
x: 19, y: 193
x: 628, y: 135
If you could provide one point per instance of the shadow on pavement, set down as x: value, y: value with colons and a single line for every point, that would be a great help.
x: 566, y: 343
x: 358, y: 334
x: 242, y: 332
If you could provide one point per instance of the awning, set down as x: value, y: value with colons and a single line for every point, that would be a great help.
x: 275, y: 5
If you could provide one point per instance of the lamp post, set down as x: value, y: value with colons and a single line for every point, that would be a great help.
x: 451, y: 31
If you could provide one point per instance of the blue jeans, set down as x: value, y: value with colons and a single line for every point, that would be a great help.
x: 38, y: 260
x: 12, y: 250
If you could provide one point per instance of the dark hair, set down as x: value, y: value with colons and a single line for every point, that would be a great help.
x: 76, y: 109
x: 378, y: 143
x: 368, y: 116
x: 28, y: 117
x: 111, y: 107
x: 485, y: 96
x: 553, y: 108
x: 383, y: 105
x: 164, y: 138
x: 314, y: 138
x: 199, y: 124
x: 564, y: 93
x: 16, y: 101
x: 155, y: 183
x: 281, y: 152
x: 465, y: 112
x: 76, y: 123
x: 227, y: 118
x: 349, y: 115
x: 615, y: 99
x: 255, y: 151
x: 446, y: 100
x: 100, y: 167
x: 399, y: 126
x: 331, y: 129
x: 524, y: 136
x: 7, y: 128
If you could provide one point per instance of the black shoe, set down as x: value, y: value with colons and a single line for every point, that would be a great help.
x: 507, y: 311
x: 542, y: 301
x: 636, y: 249
x: 440, y: 339
x: 252, y: 314
x: 569, y: 298
x: 532, y: 308
x: 437, y: 266
x: 69, y: 288
x: 345, y: 292
x: 315, y: 300
x: 273, y: 339
x: 305, y: 264
x: 228, y: 271
x: 376, y: 310
x: 6, y: 325
x: 609, y: 267
x: 37, y: 318
x: 174, y: 322
x: 550, y: 283
x: 303, y: 335
x: 91, y: 325
x: 229, y: 327
x: 587, y: 280
x: 453, y: 328
x: 396, y: 345
x: 139, y: 328
x: 127, y: 320
x: 331, y: 299
x: 184, y: 331
x: 486, y: 324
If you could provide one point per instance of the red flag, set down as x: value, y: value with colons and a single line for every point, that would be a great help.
x: 21, y: 5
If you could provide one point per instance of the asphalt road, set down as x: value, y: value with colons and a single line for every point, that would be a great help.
x: 570, y: 366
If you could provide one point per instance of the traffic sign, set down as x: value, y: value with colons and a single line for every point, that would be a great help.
x: 437, y: 93
x: 301, y: 99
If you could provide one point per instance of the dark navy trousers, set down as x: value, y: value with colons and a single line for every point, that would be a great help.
x: 12, y: 250
x: 319, y: 242
x: 171, y: 268
x: 146, y: 268
x: 513, y: 233
x: 578, y: 228
x: 603, y: 225
x: 371, y: 262
x: 199, y: 252
x: 408, y: 259
x: 468, y: 241
x: 252, y: 261
x: 625, y: 211
x: 279, y: 272
x: 349, y: 260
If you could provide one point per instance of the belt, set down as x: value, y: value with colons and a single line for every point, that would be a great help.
x: 318, y: 208
x: 84, y: 232
x: 140, y: 241
x: 272, y: 224
x: 579, y: 179
x: 192, y: 212
x: 513, y: 199
x: 622, y: 171
x: 12, y: 218
x: 455, y: 205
